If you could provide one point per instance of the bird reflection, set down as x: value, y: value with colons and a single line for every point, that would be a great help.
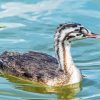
x: 68, y: 92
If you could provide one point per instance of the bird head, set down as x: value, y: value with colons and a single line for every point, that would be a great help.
x: 73, y: 31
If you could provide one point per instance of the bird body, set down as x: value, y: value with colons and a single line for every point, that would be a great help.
x: 44, y: 68
x: 33, y: 66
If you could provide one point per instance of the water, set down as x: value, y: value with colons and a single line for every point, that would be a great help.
x: 30, y: 25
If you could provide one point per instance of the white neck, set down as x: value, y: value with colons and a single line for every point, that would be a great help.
x: 66, y: 62
x: 64, y: 56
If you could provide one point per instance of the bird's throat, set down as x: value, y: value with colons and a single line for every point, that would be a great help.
x: 64, y: 57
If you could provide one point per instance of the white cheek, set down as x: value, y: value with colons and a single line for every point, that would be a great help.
x: 73, y: 34
x: 79, y: 37
x: 64, y: 32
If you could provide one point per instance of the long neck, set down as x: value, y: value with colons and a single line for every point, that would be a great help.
x: 64, y: 56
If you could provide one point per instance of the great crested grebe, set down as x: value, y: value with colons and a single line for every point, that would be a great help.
x: 44, y: 68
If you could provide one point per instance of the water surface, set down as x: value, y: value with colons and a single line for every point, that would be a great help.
x: 30, y: 25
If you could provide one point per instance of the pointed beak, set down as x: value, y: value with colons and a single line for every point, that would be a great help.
x: 93, y: 35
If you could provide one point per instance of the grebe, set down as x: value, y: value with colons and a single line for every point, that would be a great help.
x: 44, y: 68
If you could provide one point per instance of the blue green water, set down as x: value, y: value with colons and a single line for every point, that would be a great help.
x: 30, y: 25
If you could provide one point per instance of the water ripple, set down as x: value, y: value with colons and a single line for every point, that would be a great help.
x: 12, y: 40
x: 11, y: 25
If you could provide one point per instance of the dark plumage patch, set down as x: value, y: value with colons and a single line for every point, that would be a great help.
x: 1, y: 64
x: 63, y: 27
x: 40, y: 76
x: 71, y: 25
x: 78, y: 34
x: 77, y: 30
x: 67, y: 25
x: 80, y: 29
x: 28, y: 75
x: 69, y: 37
